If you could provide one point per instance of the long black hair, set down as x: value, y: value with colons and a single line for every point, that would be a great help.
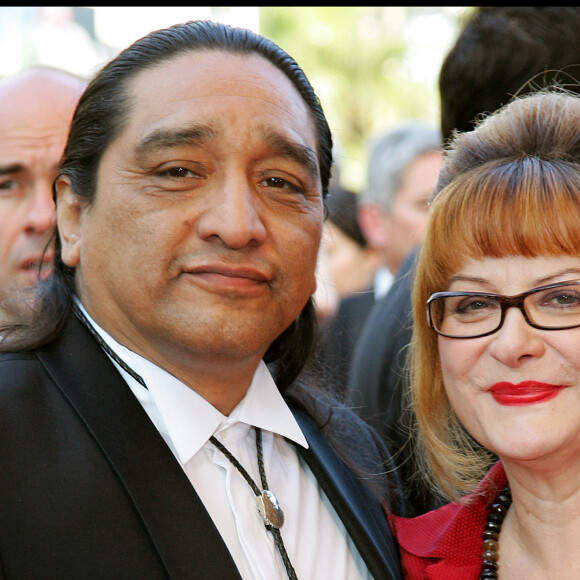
x: 102, y: 114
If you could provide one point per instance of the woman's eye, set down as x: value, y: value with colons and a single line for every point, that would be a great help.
x: 567, y: 298
x: 473, y: 305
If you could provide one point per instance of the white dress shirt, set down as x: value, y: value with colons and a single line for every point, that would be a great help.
x: 383, y: 281
x: 316, y: 541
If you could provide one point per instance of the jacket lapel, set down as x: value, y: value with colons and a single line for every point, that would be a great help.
x: 354, y: 503
x: 180, y: 529
x: 176, y: 521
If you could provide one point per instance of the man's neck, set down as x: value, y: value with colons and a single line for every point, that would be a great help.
x: 221, y: 380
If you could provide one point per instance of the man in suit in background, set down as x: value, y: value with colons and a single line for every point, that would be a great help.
x: 392, y: 210
x: 351, y: 264
x: 36, y: 106
x: 155, y: 423
x: 392, y: 213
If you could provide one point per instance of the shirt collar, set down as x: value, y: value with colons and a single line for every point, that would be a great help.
x: 383, y: 282
x: 190, y: 420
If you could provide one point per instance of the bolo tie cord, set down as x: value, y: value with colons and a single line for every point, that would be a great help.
x: 266, y: 494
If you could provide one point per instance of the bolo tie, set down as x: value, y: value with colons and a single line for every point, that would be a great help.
x: 266, y: 502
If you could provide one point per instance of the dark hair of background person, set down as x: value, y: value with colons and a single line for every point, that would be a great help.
x: 342, y: 206
x: 101, y: 115
x: 502, y: 51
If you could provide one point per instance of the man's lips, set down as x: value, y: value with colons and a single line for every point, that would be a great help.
x: 35, y: 263
x: 220, y: 276
x: 525, y: 393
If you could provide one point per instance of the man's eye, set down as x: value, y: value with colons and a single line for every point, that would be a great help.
x: 9, y: 185
x: 279, y: 183
x: 178, y: 172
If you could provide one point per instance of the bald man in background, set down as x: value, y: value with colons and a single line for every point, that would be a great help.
x: 36, y: 107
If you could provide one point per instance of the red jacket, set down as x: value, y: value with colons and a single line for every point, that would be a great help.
x: 446, y: 543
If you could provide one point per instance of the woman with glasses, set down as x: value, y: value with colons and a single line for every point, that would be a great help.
x: 495, y: 356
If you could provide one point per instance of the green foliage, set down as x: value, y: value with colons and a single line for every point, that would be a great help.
x: 357, y: 60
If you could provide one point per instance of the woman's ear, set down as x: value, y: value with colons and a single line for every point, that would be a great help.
x: 68, y: 220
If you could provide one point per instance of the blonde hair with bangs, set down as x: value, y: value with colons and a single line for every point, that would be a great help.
x: 510, y: 187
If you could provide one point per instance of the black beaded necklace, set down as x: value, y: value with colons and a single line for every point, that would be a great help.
x: 266, y: 502
x: 491, y: 531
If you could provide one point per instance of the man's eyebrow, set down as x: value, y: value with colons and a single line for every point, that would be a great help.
x: 13, y: 168
x: 285, y: 147
x: 197, y: 134
x: 170, y: 138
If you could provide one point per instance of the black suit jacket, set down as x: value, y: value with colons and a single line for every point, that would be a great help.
x: 340, y: 336
x: 378, y: 383
x: 89, y: 489
x: 377, y: 380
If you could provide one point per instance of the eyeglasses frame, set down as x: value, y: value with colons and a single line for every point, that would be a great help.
x: 505, y: 302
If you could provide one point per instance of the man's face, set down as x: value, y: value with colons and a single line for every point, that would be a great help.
x: 34, y: 123
x: 407, y: 220
x: 397, y: 231
x: 201, y: 243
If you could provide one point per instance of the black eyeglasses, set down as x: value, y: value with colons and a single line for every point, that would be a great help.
x: 476, y: 314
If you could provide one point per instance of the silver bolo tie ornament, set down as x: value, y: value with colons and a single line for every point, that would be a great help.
x: 269, y: 509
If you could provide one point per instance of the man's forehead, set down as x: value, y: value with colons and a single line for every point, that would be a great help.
x: 21, y: 138
x: 27, y: 141
x: 45, y: 80
x: 213, y: 75
x: 204, y: 88
x: 35, y: 119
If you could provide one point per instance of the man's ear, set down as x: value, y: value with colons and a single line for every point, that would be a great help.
x: 373, y: 221
x: 68, y: 219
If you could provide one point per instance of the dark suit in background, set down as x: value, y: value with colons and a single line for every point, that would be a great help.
x: 377, y: 385
x: 340, y: 336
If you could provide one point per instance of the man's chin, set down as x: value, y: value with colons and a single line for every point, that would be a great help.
x: 18, y: 299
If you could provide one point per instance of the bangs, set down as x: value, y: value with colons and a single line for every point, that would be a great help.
x: 528, y: 207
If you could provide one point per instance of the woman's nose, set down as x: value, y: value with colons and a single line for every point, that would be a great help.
x: 516, y: 340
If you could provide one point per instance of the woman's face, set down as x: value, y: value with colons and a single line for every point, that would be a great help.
x: 351, y: 268
x: 519, y: 420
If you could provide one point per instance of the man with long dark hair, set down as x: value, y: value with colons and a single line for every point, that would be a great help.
x: 156, y: 418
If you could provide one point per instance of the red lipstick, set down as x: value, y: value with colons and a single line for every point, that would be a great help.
x: 525, y: 393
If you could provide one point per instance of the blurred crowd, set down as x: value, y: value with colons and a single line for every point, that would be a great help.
x: 371, y: 342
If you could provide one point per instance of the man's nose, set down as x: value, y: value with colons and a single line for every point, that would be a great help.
x: 41, y: 215
x: 235, y: 215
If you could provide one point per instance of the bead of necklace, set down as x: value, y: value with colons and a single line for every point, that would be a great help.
x: 491, y: 531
